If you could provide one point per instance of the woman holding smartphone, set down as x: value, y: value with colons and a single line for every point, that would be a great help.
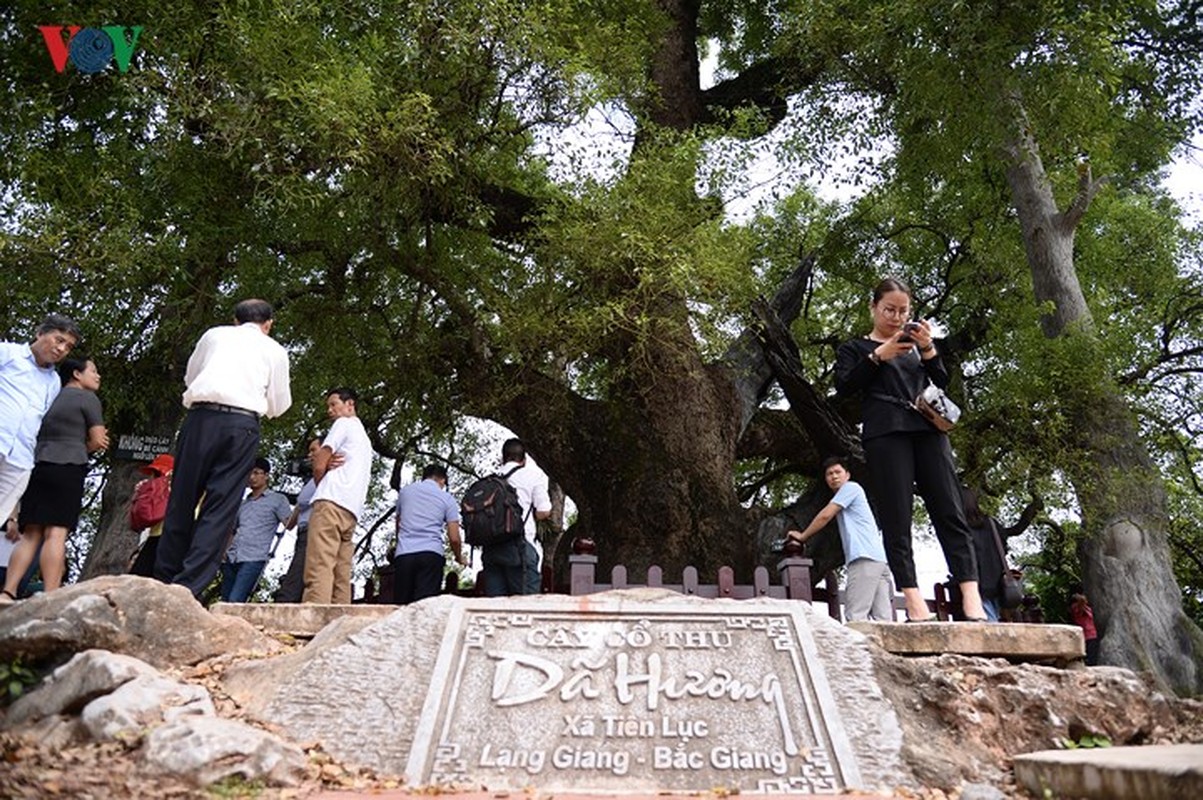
x: 889, y: 368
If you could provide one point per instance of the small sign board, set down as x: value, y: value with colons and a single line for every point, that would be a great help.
x: 662, y: 697
x: 141, y: 446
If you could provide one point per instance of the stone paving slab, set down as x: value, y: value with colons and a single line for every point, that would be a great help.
x: 534, y: 794
x: 303, y: 620
x: 1155, y: 772
x: 1018, y: 641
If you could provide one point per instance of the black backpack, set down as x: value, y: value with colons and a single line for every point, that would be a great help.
x: 490, y: 511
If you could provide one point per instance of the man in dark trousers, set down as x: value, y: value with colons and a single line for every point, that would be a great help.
x: 236, y: 374
x: 424, y: 509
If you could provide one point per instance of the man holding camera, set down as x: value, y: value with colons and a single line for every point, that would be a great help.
x: 292, y: 585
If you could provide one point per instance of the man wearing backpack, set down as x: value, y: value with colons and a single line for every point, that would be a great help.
x: 512, y: 567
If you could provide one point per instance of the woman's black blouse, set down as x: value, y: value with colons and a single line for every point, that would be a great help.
x: 888, y: 388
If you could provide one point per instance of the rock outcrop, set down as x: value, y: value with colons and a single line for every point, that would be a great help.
x: 136, y: 657
x: 161, y: 625
x: 100, y: 696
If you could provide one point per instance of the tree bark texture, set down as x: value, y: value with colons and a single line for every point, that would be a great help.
x: 650, y: 468
x: 1127, y: 571
x: 114, y: 542
x: 160, y: 370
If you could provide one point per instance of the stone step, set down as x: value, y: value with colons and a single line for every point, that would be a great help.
x: 302, y: 620
x: 533, y: 794
x: 1154, y: 772
x: 1058, y: 644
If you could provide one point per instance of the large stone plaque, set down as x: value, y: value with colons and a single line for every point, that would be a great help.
x: 664, y: 696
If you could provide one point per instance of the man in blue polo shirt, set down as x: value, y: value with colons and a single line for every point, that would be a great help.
x: 423, y: 508
x: 868, y: 588
x: 28, y: 385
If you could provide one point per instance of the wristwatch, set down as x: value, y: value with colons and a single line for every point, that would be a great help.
x: 876, y: 359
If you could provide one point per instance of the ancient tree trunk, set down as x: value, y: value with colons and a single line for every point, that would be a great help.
x: 114, y: 542
x: 651, y: 465
x: 650, y: 468
x: 1127, y: 570
x: 159, y: 373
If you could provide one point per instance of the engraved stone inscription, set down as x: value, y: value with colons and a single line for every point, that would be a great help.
x: 655, y: 700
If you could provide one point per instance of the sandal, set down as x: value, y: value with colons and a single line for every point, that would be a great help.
x: 7, y: 598
x: 928, y: 618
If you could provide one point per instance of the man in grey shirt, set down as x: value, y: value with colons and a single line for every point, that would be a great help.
x: 259, y: 517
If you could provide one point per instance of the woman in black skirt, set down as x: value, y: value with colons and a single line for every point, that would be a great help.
x: 889, y: 368
x: 72, y: 428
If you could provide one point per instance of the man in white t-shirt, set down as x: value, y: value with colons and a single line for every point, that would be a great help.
x: 513, y: 567
x: 342, y: 468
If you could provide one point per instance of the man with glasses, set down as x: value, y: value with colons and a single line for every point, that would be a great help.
x: 28, y: 385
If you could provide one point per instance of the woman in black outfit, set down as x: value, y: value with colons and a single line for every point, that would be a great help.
x: 889, y: 368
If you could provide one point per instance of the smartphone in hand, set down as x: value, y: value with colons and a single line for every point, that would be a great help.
x: 907, y: 330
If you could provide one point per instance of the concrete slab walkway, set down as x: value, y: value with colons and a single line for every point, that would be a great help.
x: 297, y: 619
x: 1156, y: 772
x: 1059, y: 644
x: 534, y: 794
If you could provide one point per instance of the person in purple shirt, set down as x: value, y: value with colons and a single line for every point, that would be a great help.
x: 423, y: 509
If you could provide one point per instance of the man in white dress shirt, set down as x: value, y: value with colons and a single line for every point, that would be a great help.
x: 236, y: 374
x: 342, y: 469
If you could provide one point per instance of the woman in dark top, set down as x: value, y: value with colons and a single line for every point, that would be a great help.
x: 72, y: 428
x: 990, y: 564
x: 889, y: 368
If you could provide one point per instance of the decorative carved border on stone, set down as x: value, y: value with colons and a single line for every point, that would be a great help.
x: 621, y: 696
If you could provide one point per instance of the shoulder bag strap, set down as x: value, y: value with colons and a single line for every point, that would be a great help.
x: 506, y: 478
x: 889, y: 398
x: 1002, y: 551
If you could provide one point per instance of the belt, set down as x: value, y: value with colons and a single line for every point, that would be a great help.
x: 227, y: 409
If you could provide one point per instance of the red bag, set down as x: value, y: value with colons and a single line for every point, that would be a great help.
x: 149, y: 506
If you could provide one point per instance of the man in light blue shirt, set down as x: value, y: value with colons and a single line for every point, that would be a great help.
x: 259, y: 518
x: 423, y: 509
x: 28, y: 385
x: 868, y: 588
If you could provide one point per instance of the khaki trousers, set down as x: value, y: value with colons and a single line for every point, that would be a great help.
x: 328, y: 554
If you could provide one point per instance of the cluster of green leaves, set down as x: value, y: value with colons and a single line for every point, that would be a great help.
x: 235, y: 786
x: 15, y: 678
x: 1086, y: 741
